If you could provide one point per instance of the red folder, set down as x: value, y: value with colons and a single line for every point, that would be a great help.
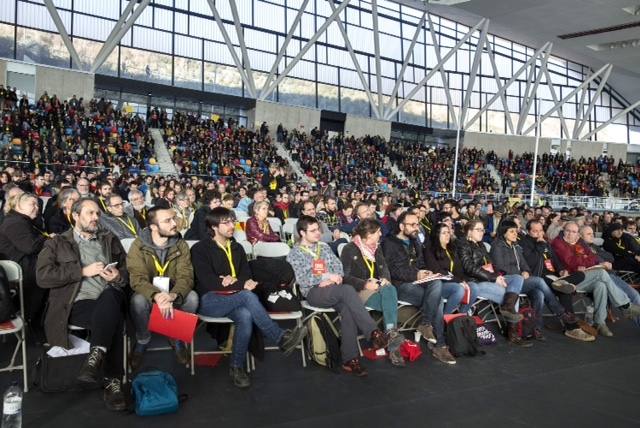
x: 180, y: 327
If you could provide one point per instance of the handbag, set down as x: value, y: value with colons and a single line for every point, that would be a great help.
x: 58, y: 374
x: 410, y: 350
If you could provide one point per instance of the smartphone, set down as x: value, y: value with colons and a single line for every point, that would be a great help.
x: 110, y: 265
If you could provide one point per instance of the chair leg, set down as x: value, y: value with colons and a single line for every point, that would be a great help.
x: 193, y: 351
x: 25, y: 363
x: 125, y: 341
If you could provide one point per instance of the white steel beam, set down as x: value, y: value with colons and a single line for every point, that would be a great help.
x: 125, y: 14
x: 531, y: 95
x: 306, y: 47
x: 567, y: 98
x: 243, y: 47
x: 592, y: 103
x: 352, y: 54
x: 613, y: 119
x: 506, y: 85
x: 433, y: 71
x: 473, y: 72
x: 376, y: 48
x: 232, y: 49
x: 75, y: 59
x: 554, y: 98
x: 443, y: 74
x: 405, y: 62
x: 503, y: 97
x: 109, y: 45
x: 283, y: 48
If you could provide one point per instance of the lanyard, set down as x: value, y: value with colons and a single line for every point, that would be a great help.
x: 316, y: 256
x: 370, y: 265
x: 227, y: 252
x: 42, y: 232
x: 160, y: 268
x: 619, y: 245
x: 450, y: 260
x: 104, y: 206
x: 69, y: 220
x: 426, y: 225
x: 129, y: 225
x: 265, y: 227
x: 143, y: 214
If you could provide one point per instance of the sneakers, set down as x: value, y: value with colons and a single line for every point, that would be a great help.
x: 579, y: 334
x: 113, y: 396
x: 239, y: 377
x: 90, y: 370
x: 353, y: 366
x: 426, y: 330
x: 537, y: 335
x: 510, y: 316
x: 181, y: 351
x: 603, y: 330
x: 379, y: 339
x: 587, y: 328
x: 395, y: 340
x: 136, y: 356
x: 396, y: 358
x: 632, y: 311
x: 442, y: 354
x: 564, y: 287
x: 292, y: 338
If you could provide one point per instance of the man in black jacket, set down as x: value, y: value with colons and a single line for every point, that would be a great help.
x: 403, y: 253
x: 624, y: 248
x: 61, y: 220
x: 199, y: 229
x: 542, y: 261
x: 224, y: 284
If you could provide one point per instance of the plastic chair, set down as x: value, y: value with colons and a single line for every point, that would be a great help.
x: 126, y: 244
x: 271, y: 249
x: 17, y: 325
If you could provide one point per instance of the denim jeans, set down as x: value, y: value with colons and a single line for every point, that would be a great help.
x: 385, y: 301
x: 244, y: 309
x: 141, y: 311
x: 539, y: 292
x: 493, y: 291
x: 600, y: 285
x: 631, y: 292
x: 428, y: 298
x: 453, y: 292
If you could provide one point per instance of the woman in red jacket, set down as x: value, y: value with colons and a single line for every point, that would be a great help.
x: 258, y: 228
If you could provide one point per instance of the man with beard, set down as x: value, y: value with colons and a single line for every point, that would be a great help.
x: 61, y: 220
x: 85, y: 269
x: 160, y: 272
x: 103, y: 191
x: 116, y: 221
x: 137, y: 207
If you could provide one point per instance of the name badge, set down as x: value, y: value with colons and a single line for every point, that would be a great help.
x: 319, y: 267
x: 488, y: 267
x: 549, y: 265
x: 161, y: 283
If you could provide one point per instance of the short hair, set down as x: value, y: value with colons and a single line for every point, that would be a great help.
x: 258, y: 205
x: 104, y: 183
x: 402, y: 217
x: 569, y: 223
x: 182, y: 196
x: 210, y: 195
x: 79, y: 204
x: 530, y: 223
x: 65, y: 194
x: 109, y: 198
x: 152, y: 214
x: 471, y: 224
x: 504, y: 226
x: 360, y: 205
x: 227, y: 197
x: 218, y: 215
x: 304, y: 222
x: 366, y: 227
x: 583, y: 228
x: 133, y: 193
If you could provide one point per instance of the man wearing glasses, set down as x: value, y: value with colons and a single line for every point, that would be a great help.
x: 576, y: 256
x: 116, y: 221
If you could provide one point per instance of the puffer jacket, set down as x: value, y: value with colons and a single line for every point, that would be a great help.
x: 508, y: 259
x: 473, y: 256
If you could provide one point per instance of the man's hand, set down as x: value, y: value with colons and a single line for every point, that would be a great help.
x: 326, y: 283
x: 501, y: 281
x: 564, y: 272
x: 422, y: 274
x: 110, y: 275
x: 372, y: 285
x: 250, y: 284
x: 92, y: 270
x: 166, y: 309
x: 582, y: 268
x: 525, y: 274
x: 607, y: 265
x: 336, y: 234
x: 228, y: 280
x: 162, y: 298
x: 336, y: 279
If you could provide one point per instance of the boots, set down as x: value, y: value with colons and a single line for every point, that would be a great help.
x: 514, y: 339
x: 508, y: 308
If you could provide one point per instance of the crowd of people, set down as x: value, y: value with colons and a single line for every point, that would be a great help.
x: 351, y: 249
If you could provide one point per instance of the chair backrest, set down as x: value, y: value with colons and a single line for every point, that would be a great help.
x: 248, y: 248
x: 240, y: 235
x: 14, y: 274
x: 487, y: 246
x: 275, y: 224
x: 289, y: 228
x: 271, y: 249
x: 242, y: 216
x: 598, y: 241
x: 126, y: 243
x: 291, y: 220
x: 340, y: 248
x: 191, y: 243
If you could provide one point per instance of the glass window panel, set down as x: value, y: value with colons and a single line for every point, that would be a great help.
x: 163, y: 19
x: 149, y: 66
x: 463, y: 61
x: 354, y: 102
x: 41, y: 48
x: 328, y: 97
x: 217, y: 52
x: 188, y: 73
x: 90, y: 27
x: 8, y: 11
x: 495, y: 122
x: 222, y: 79
x: 106, y: 8
x: 350, y: 79
x: 181, y: 22
x: 88, y: 50
x: 188, y: 46
x: 390, y: 47
x: 327, y: 74
x: 260, y: 79
x: 297, y: 92
x: 414, y: 113
x: 307, y: 25
x: 205, y: 28
x: 6, y: 40
x: 550, y: 128
x: 32, y: 15
x: 613, y: 134
x: 304, y: 70
x: 269, y: 16
x: 147, y: 38
x: 260, y: 60
x: 634, y: 136
x: 439, y: 116
x: 260, y: 40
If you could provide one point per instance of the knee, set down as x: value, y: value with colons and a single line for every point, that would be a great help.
x: 139, y: 303
x: 248, y: 297
x: 190, y: 303
x: 389, y: 293
x: 242, y: 317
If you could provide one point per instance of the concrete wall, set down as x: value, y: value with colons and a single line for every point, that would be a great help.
x: 62, y: 82
x: 360, y: 126
x: 291, y: 117
x: 501, y: 144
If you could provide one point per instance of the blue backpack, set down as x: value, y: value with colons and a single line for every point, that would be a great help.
x: 155, y: 393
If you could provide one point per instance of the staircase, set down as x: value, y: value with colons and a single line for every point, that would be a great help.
x: 295, y: 166
x: 397, y: 172
x: 163, y: 157
x: 494, y: 173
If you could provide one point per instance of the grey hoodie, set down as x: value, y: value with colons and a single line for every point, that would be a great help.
x: 161, y: 252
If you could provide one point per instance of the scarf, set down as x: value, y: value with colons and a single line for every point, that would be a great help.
x: 367, y: 252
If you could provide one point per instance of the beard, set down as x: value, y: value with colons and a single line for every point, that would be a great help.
x: 168, y: 233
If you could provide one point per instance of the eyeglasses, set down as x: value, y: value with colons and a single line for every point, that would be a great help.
x: 411, y: 224
x: 117, y: 205
x: 478, y: 229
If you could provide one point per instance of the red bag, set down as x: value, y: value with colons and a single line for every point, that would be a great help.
x: 410, y: 350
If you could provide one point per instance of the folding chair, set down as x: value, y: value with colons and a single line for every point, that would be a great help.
x: 191, y: 243
x: 485, y: 312
x: 289, y: 316
x: 215, y: 320
x: 409, y: 323
x: 288, y: 229
x: 240, y: 235
x: 275, y: 224
x: 271, y: 249
x: 126, y: 244
x: 340, y: 248
x: 16, y: 326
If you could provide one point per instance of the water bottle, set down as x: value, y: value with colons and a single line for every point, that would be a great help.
x: 588, y: 316
x: 12, y: 407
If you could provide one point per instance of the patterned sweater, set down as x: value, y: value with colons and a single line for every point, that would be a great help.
x: 302, y: 262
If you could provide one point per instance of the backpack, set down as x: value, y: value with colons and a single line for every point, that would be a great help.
x: 527, y: 324
x: 324, y: 343
x: 462, y: 337
x: 155, y: 393
x: 7, y: 308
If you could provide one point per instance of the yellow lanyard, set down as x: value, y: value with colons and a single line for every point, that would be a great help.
x: 129, y: 225
x: 265, y: 227
x: 69, y: 220
x: 42, y: 232
x: 104, y: 206
x: 160, y: 268
x: 285, y: 213
x: 316, y: 256
x: 227, y: 252
x: 371, y: 266
x: 450, y: 260
x: 544, y: 255
x: 426, y: 225
x: 619, y: 245
x: 143, y: 214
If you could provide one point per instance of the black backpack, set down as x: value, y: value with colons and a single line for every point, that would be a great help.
x: 323, y: 341
x: 462, y: 337
x: 7, y: 308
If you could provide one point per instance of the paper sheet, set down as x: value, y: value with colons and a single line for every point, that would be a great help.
x: 78, y: 346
